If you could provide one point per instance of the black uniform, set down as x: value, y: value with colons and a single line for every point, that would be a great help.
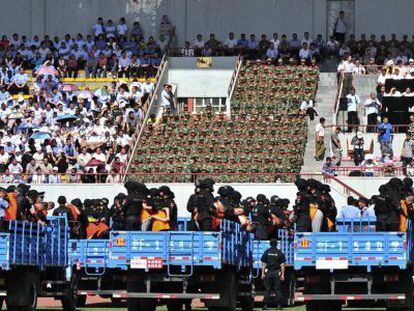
x: 273, y: 258
x: 260, y: 218
x: 387, y: 210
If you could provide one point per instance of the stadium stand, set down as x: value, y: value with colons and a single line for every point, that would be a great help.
x: 266, y: 132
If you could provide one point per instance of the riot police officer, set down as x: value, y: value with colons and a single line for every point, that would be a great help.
x: 273, y: 273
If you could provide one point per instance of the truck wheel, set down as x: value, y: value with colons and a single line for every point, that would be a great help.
x: 24, y: 297
x: 116, y: 301
x: 247, y: 303
x: 133, y: 304
x: 148, y: 304
x: 81, y: 301
x: 70, y: 300
x: 312, y: 306
x: 174, y: 305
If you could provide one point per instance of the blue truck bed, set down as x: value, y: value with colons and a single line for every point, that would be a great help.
x: 285, y: 244
x: 30, y: 244
x: 354, y: 245
x: 155, y: 250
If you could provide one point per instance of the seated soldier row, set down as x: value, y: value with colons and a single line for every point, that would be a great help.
x: 261, y: 137
x: 262, y: 86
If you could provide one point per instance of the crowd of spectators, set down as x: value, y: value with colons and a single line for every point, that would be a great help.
x: 53, y: 132
x: 109, y: 50
x: 68, y: 136
x: 266, y: 133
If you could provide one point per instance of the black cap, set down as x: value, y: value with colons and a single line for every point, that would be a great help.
x: 62, y: 200
x: 250, y: 200
x: 261, y: 198
x: 32, y: 193
x: 225, y: 191
x: 153, y: 192
x: 77, y: 202
x: 23, y: 188
x: 120, y: 196
x: 3, y: 189
x: 274, y: 199
x: 129, y: 185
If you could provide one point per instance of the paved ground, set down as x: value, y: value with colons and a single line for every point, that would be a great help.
x: 99, y: 304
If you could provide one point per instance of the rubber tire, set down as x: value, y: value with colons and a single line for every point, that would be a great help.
x: 116, y: 301
x: 148, y: 304
x: 247, y: 303
x: 33, y: 306
x: 81, y: 301
x: 312, y: 306
x: 175, y: 305
x: 133, y: 304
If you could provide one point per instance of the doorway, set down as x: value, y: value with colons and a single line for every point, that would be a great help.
x: 332, y: 12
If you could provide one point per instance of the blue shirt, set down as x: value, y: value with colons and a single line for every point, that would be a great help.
x: 243, y: 43
x: 368, y: 212
x: 385, y: 130
x: 349, y: 211
x: 3, y: 206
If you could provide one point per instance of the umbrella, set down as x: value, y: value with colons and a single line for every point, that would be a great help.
x: 69, y: 87
x: 66, y: 118
x: 95, y: 162
x: 16, y: 115
x: 41, y: 135
x: 85, y: 94
x: 47, y: 70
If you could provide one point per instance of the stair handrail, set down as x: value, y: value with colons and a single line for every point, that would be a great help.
x: 146, y: 108
x: 233, y: 82
x: 338, y: 97
x: 347, y: 190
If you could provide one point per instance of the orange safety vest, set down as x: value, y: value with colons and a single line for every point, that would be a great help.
x: 11, y: 212
x: 403, y: 217
x: 159, y: 225
x: 313, y: 208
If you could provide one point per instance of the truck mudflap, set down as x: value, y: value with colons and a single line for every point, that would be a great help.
x: 388, y: 297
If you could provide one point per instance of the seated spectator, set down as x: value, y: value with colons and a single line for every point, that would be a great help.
x: 329, y: 168
x: 369, y: 165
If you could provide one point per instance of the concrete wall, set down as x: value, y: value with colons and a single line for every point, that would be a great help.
x: 208, y: 82
x: 57, y: 17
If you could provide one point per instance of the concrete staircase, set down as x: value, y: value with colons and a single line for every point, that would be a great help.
x: 364, y: 85
x: 325, y: 100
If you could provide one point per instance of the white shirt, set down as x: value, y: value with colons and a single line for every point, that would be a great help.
x: 100, y: 157
x: 147, y: 87
x: 199, y: 44
x: 306, y: 105
x: 348, y: 67
x: 359, y: 70
x: 165, y: 98
x: 340, y: 26
x: 97, y: 29
x: 381, y: 79
x: 122, y: 29
x: 20, y: 78
x: 230, y: 43
x: 15, y: 169
x: 4, y: 158
x: 353, y: 101
x: 320, y: 130
x: 304, y: 53
x: 372, y: 105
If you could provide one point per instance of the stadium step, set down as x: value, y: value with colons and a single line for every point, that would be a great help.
x: 324, y: 105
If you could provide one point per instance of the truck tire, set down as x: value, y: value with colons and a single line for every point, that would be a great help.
x: 148, y: 304
x: 247, y: 303
x: 133, y: 304
x: 116, y: 301
x: 312, y: 305
x: 174, y: 305
x: 70, y: 300
x: 81, y: 301
x: 22, y: 290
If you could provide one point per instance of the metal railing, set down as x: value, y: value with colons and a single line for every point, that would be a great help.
x: 146, y: 109
x: 233, y: 82
x: 346, y: 189
x: 338, y: 97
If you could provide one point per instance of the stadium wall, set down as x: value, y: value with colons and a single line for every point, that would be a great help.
x: 58, y: 17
